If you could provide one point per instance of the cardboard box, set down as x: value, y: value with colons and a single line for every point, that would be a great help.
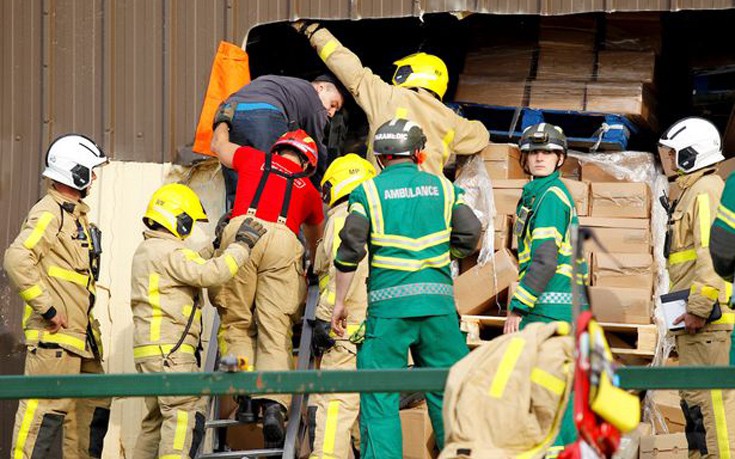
x: 572, y: 31
x: 580, y: 192
x: 557, y: 95
x: 668, y: 403
x: 490, y: 91
x: 571, y: 168
x: 634, y: 270
x: 627, y: 98
x: 503, y: 227
x: 623, y: 235
x: 635, y: 31
x: 476, y: 290
x: 636, y: 66
x: 418, y: 435
x: 630, y: 443
x: 593, y: 173
x: 506, y: 194
x: 665, y: 446
x: 621, y: 305
x: 503, y: 161
x: 508, y: 62
x: 565, y: 64
x: 620, y: 200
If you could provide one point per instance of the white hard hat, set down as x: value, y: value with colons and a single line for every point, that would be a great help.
x: 70, y: 160
x: 696, y: 143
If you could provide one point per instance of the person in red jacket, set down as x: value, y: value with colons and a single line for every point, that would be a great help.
x: 258, y: 306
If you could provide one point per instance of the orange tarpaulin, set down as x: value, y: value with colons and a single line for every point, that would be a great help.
x: 230, y: 72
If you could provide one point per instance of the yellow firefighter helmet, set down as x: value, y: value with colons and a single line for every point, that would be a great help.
x: 422, y: 70
x: 343, y: 176
x: 175, y: 207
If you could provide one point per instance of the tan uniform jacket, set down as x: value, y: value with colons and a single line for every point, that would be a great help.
x: 446, y: 132
x: 356, y: 300
x: 165, y: 283
x: 49, y: 263
x: 689, y: 263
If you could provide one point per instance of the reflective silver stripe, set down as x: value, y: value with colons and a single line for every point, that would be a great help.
x: 376, y: 210
x: 555, y: 298
x: 402, y: 291
x: 403, y: 264
x: 448, y: 200
x: 403, y: 242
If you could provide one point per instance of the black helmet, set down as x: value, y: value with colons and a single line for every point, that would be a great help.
x: 398, y: 137
x: 543, y: 136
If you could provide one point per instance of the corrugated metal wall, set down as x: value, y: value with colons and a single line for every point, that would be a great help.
x: 132, y: 74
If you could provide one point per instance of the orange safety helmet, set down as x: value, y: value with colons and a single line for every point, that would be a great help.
x: 300, y: 141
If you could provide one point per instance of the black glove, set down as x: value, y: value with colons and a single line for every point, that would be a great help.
x: 250, y: 232
x: 320, y: 339
x: 225, y: 113
x: 306, y: 27
x: 311, y: 277
x: 221, y: 223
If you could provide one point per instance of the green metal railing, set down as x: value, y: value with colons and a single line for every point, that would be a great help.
x: 300, y: 382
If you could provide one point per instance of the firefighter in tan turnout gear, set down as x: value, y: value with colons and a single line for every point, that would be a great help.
x: 165, y: 286
x: 53, y: 263
x: 694, y: 147
x: 336, y: 414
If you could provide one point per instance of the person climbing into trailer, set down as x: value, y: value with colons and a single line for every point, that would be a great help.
x: 410, y: 221
x: 337, y: 414
x: 54, y: 263
x: 419, y: 84
x: 260, y: 304
x: 544, y: 217
x: 270, y: 105
x: 693, y: 146
x: 166, y: 281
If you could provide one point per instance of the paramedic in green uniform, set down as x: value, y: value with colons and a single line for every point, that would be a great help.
x: 544, y: 215
x: 411, y: 221
x: 722, y: 242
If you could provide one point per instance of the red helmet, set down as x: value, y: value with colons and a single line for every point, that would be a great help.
x: 300, y: 141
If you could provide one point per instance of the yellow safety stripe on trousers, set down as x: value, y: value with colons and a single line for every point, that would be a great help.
x: 154, y: 299
x: 25, y: 427
x: 728, y: 318
x: 186, y: 311
x: 38, y: 231
x: 524, y: 296
x: 404, y: 264
x: 328, y: 49
x: 56, y: 338
x: 68, y: 275
x: 376, y: 210
x: 231, y: 264
x: 31, y: 293
x: 682, y: 257
x: 718, y: 407
x: 726, y: 216
x: 446, y: 141
x: 358, y: 208
x: 448, y: 189
x: 547, y: 232
x: 506, y: 367
x: 402, y: 113
x: 160, y: 350
x: 704, y: 218
x: 548, y: 381
x: 407, y: 243
x: 182, y: 424
x: 193, y: 256
x: 330, y: 427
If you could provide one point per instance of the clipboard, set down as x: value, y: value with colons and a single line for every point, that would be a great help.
x: 674, y: 304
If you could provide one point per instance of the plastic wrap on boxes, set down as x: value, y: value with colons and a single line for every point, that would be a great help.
x: 560, y: 63
x: 557, y: 95
x: 639, y: 31
x: 576, y: 32
x: 513, y: 62
x: 473, y: 179
x: 481, y: 89
x: 635, y: 66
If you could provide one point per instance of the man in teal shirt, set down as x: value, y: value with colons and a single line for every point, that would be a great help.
x: 722, y: 242
x: 410, y: 221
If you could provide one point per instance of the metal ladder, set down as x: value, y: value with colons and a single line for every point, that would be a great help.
x: 297, y: 409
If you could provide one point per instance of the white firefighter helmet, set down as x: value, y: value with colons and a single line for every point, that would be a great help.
x: 696, y: 144
x: 70, y: 160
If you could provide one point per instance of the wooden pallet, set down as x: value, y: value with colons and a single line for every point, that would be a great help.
x: 635, y: 340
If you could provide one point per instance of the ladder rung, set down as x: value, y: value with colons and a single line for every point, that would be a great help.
x: 221, y: 423
x: 244, y: 454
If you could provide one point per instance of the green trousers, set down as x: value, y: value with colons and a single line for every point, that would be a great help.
x: 434, y: 342
x: 568, y: 432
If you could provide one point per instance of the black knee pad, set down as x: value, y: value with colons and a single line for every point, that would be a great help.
x: 98, y: 430
x: 48, y: 434
x: 695, y: 432
x: 198, y: 434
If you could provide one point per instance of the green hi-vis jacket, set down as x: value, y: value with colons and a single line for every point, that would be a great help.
x: 545, y: 251
x: 722, y: 245
x: 411, y: 221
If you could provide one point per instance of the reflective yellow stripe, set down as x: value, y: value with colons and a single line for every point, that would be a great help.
x: 727, y: 318
x: 160, y: 350
x: 25, y: 427
x: 553, y: 452
x: 38, y: 231
x: 351, y: 329
x: 524, y: 296
x: 507, y: 364
x: 448, y: 189
x: 193, y: 256
x: 57, y: 338
x: 706, y: 291
x: 339, y: 223
x: 330, y: 428
x: 186, y: 310
x: 182, y: 422
x: 446, y: 141
x: 403, y: 264
x: 723, y: 442
x: 358, y: 208
x: 376, y: 210
x: 565, y: 249
x: 525, y: 255
x: 412, y: 244
x: 402, y: 113
x: 170, y: 456
x: 231, y: 264
x: 154, y: 299
x: 31, y: 293
x: 328, y: 49
x: 323, y: 282
x: 565, y: 270
x: 331, y: 297
x: 704, y: 218
x: 561, y: 195
x: 726, y: 216
x: 548, y: 381
x: 27, y: 311
x: 547, y: 232
x: 68, y: 275
x: 682, y: 257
